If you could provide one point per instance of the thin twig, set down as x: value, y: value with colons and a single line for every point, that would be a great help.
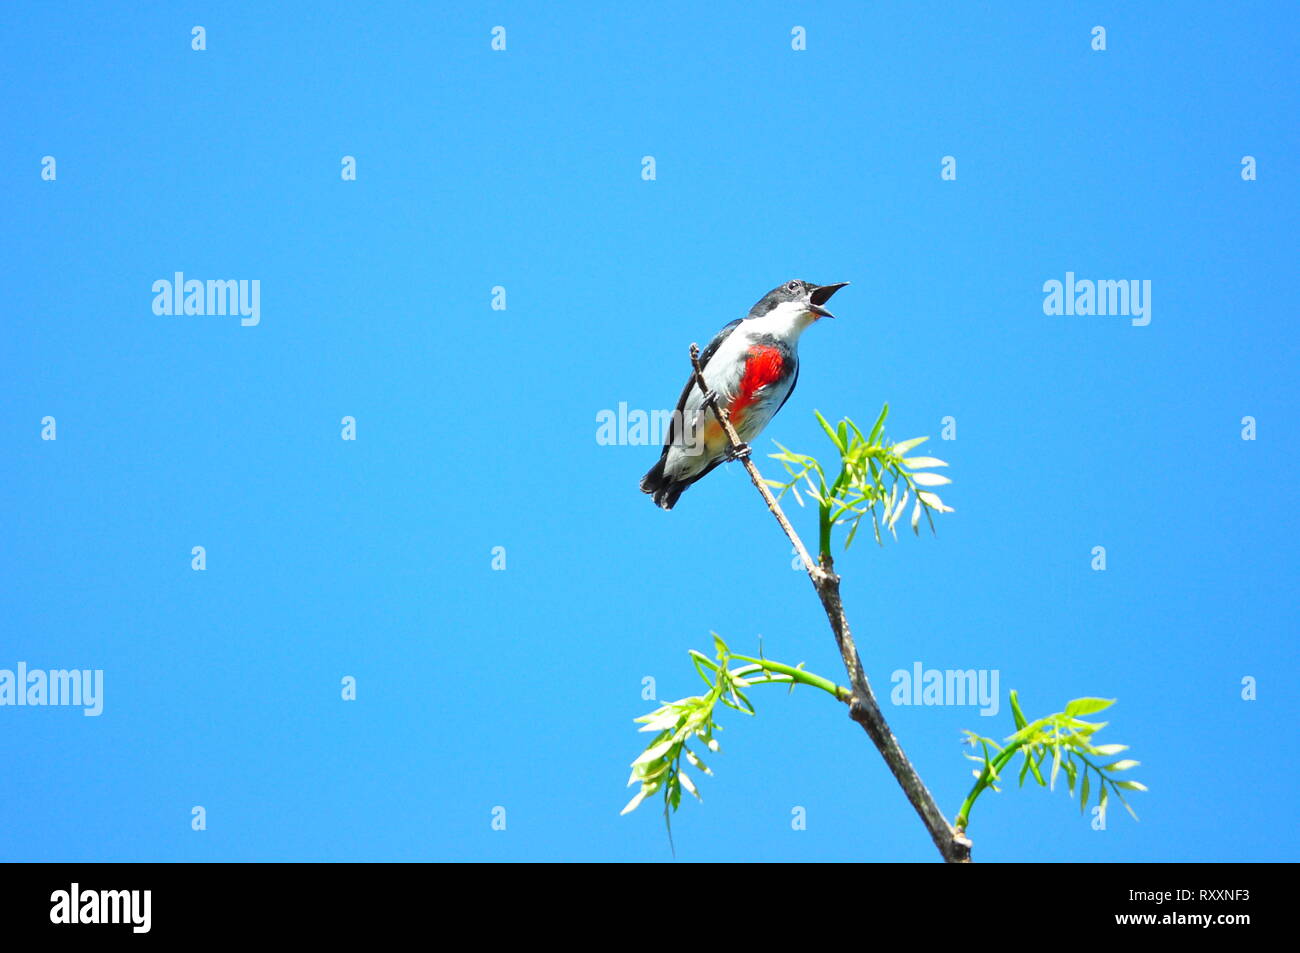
x: 733, y: 438
x: 863, y: 708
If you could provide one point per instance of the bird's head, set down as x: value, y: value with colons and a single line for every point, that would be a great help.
x: 797, y: 299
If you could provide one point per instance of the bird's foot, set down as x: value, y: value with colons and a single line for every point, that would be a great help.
x: 739, y: 452
x: 710, y: 398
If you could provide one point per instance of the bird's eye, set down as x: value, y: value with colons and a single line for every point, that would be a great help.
x: 793, y: 286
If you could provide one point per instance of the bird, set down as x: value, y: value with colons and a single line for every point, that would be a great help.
x: 752, y: 366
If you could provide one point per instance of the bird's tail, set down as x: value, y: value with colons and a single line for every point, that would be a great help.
x: 663, y: 489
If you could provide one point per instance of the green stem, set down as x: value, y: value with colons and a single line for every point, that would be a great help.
x: 1000, y: 761
x: 799, y: 675
x: 824, y: 539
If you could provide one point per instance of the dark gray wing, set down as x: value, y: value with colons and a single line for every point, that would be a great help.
x: 791, y: 390
x: 705, y: 355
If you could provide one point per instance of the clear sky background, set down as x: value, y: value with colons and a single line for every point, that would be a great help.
x: 477, y: 428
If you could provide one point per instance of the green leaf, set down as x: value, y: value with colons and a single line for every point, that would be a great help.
x: 1027, y: 733
x: 654, y: 752
x: 932, y: 500
x: 1131, y: 785
x: 633, y: 804
x: 702, y: 658
x: 700, y: 672
x: 666, y: 719
x: 687, y: 783
x: 1038, y: 775
x: 917, y: 463
x: 740, y: 698
x: 880, y: 425
x: 1087, y: 706
x: 853, y: 532
x: 1122, y: 765
x: 694, y: 759
x: 1128, y: 807
x: 900, y: 506
x: 899, y: 449
x: 1083, y: 792
x: 830, y: 431
x: 988, y: 765
x: 1016, y: 712
x: 647, y: 775
x: 1107, y: 750
x: 926, y: 478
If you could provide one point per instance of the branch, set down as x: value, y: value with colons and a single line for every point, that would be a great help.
x: 863, y: 708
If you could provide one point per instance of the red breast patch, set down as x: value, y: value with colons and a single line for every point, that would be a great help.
x: 763, y: 368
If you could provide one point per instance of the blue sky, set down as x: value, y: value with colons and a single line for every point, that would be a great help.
x: 476, y: 428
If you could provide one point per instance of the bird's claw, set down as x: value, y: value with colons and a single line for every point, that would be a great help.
x: 738, y: 452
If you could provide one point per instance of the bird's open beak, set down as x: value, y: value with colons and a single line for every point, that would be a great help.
x: 821, y: 295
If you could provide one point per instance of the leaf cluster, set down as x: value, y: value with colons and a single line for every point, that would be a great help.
x: 1061, y: 743
x: 679, y: 724
x: 876, y: 478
